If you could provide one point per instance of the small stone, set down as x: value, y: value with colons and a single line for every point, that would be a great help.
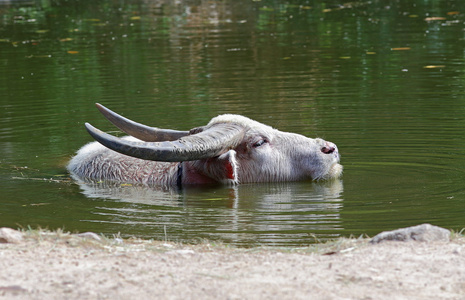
x: 420, y: 233
x: 8, y: 235
x: 458, y: 251
x: 89, y: 235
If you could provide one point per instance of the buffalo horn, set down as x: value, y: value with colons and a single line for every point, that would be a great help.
x: 211, y: 142
x: 140, y: 131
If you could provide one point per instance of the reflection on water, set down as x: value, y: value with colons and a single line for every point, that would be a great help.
x: 384, y: 82
x: 274, y: 214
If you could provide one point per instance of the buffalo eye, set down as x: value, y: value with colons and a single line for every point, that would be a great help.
x: 260, y: 143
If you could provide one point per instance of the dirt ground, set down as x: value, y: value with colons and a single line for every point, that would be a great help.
x: 57, y: 265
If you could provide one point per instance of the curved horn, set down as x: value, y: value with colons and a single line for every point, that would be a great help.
x: 211, y: 142
x: 140, y: 131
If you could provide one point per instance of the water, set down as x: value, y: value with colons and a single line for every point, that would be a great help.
x: 383, y: 81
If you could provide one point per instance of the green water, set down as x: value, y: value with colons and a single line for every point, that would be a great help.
x: 383, y: 80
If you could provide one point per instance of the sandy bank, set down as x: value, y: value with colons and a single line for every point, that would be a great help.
x: 56, y: 265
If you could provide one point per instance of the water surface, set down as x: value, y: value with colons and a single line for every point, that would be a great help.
x: 384, y: 82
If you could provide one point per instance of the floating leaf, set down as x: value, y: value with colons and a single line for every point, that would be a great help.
x: 345, y: 57
x: 135, y: 18
x: 92, y: 20
x: 451, y: 13
x: 434, y: 19
x: 400, y: 48
x: 370, y: 52
x: 434, y: 66
x: 39, y: 56
x: 66, y: 40
x: 42, y: 31
x: 73, y: 52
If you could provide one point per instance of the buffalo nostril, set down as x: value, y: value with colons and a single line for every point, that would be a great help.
x: 328, y: 150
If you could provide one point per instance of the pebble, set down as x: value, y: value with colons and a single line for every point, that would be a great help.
x: 8, y: 235
x: 420, y: 233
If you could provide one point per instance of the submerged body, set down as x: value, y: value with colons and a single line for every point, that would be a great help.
x: 250, y: 152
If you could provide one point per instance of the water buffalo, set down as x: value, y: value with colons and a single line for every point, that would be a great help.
x: 230, y: 149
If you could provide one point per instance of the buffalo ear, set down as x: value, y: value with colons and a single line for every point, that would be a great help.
x: 222, y: 168
x: 228, y: 165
